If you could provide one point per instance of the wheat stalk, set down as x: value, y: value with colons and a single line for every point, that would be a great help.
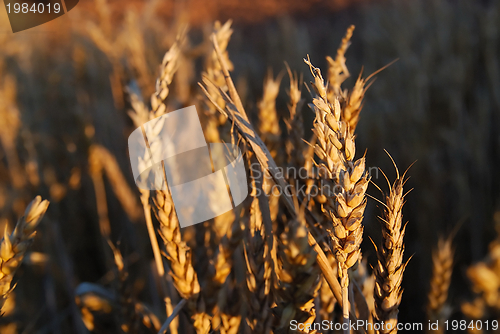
x: 216, y: 127
x: 107, y: 162
x: 442, y: 268
x: 390, y: 266
x: 234, y: 109
x: 268, y: 116
x: 179, y: 257
x: 14, y: 245
x: 140, y: 114
x: 168, y: 68
x: 346, y: 204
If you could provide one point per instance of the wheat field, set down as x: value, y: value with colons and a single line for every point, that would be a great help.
x: 369, y: 133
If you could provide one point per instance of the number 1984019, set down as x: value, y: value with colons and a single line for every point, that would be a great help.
x: 472, y: 325
x: 34, y: 8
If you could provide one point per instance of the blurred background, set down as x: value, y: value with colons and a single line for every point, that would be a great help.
x: 63, y: 98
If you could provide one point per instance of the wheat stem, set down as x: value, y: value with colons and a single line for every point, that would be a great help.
x: 172, y: 316
x: 344, y: 282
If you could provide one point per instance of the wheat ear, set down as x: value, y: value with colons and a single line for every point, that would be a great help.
x: 346, y: 203
x: 179, y: 257
x: 269, y: 126
x: 13, y: 246
x: 259, y: 271
x: 213, y: 72
x: 442, y: 268
x: 271, y: 133
x: 168, y: 68
x: 295, y: 146
x: 351, y: 101
x: 140, y: 114
x: 337, y: 69
x: 390, y: 266
x: 337, y: 74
